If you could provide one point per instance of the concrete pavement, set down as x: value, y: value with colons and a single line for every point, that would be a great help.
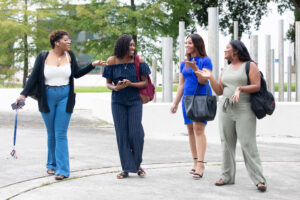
x: 94, y: 161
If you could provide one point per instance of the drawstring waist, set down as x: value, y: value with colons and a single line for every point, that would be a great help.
x: 228, y: 103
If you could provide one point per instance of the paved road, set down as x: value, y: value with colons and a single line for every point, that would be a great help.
x: 167, y: 160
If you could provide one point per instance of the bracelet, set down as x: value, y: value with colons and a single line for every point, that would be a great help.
x: 240, y: 89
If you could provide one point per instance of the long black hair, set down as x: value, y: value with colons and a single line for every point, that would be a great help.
x: 198, y: 44
x: 122, y: 46
x: 243, y: 53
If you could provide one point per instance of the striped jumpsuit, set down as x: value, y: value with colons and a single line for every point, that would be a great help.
x: 127, y: 110
x: 237, y: 121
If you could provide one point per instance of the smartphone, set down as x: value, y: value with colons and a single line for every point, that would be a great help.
x: 18, y: 105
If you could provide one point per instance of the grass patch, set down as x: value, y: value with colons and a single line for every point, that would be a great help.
x: 285, y: 87
x: 10, y: 86
x: 92, y: 89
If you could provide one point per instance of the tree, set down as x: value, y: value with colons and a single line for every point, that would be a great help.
x: 294, y: 5
x: 23, y: 32
x: 146, y: 22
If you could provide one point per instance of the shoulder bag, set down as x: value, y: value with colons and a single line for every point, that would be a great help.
x: 200, y: 108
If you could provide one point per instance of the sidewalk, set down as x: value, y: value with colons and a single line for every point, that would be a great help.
x: 94, y: 160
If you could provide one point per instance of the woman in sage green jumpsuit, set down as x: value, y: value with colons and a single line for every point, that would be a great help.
x: 236, y: 119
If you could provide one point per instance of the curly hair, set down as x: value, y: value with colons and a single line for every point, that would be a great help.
x: 56, y: 35
x: 198, y: 44
x: 243, y: 53
x: 122, y: 46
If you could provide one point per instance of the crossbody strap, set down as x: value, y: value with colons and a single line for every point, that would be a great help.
x: 247, y: 71
x: 137, y: 66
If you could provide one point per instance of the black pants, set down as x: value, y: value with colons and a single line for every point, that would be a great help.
x: 130, y: 134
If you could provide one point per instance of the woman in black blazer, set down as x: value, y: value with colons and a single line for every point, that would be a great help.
x: 53, y: 78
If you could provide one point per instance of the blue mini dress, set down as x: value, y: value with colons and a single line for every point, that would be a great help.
x: 191, y: 81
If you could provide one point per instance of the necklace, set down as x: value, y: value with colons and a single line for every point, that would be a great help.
x: 125, y: 65
x: 58, y: 58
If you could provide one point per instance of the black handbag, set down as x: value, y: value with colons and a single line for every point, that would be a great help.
x: 200, y: 108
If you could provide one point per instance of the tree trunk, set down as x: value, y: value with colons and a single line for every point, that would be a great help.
x: 25, y: 69
x: 25, y: 43
x: 133, y: 8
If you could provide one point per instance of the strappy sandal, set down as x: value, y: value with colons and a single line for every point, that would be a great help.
x: 220, y: 183
x: 141, y: 172
x: 192, y: 171
x: 59, y: 177
x: 50, y: 171
x: 197, y: 175
x: 261, y: 187
x: 122, y: 175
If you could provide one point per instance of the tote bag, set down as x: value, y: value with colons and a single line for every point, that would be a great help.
x: 200, y: 108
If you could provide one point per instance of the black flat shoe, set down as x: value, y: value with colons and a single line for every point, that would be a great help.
x: 59, y: 177
x: 220, y: 183
x: 261, y: 187
x: 141, y: 172
x: 122, y: 175
x: 50, y: 172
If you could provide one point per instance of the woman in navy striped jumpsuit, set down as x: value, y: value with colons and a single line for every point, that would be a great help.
x: 126, y: 104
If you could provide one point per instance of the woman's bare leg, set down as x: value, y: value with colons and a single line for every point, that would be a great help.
x: 200, y: 140
x: 192, y: 143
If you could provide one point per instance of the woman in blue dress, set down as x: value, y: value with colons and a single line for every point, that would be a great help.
x: 126, y: 104
x: 196, y: 60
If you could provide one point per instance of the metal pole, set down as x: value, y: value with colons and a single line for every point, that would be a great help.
x: 292, y: 52
x: 281, y: 61
x: 154, y: 69
x: 235, y: 30
x: 268, y: 61
x: 181, y: 41
x: 167, y: 61
x: 272, y: 76
x: 254, y: 47
x: 213, y: 39
x: 297, y: 61
x: 289, y: 85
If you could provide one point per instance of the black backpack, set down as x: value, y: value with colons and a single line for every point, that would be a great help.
x: 262, y: 102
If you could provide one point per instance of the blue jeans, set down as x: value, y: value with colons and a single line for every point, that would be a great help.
x: 57, y: 123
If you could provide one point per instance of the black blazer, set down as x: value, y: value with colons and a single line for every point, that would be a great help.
x: 37, y: 78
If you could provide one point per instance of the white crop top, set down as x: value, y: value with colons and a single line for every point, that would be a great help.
x: 57, y: 76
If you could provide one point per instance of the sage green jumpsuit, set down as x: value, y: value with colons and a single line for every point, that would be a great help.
x: 237, y: 121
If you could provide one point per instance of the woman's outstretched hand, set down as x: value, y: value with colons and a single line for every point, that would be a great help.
x: 191, y: 65
x: 204, y: 74
x: 98, y: 62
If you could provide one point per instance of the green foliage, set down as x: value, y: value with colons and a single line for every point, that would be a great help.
x: 24, y: 30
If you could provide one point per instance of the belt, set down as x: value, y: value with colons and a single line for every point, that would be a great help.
x: 55, y: 85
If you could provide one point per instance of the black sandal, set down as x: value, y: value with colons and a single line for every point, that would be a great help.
x: 192, y: 171
x: 50, y: 171
x: 220, y: 184
x: 141, y: 172
x: 196, y: 175
x: 122, y: 175
x: 261, y: 187
x: 59, y: 177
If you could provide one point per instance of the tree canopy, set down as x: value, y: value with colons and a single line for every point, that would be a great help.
x: 25, y: 24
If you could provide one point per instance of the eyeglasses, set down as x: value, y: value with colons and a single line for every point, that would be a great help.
x: 68, y: 40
